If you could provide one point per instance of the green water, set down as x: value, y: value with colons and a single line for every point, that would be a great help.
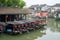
x: 50, y: 32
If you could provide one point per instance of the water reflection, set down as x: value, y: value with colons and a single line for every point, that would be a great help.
x: 26, y: 36
x: 55, y: 27
x: 49, y: 36
x: 52, y: 31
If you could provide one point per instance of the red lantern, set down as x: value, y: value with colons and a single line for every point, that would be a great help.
x: 18, y: 26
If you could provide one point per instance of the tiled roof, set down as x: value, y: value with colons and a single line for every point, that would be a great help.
x: 56, y: 5
x: 9, y: 10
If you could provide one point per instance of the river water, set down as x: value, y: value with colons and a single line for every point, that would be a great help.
x: 49, y: 32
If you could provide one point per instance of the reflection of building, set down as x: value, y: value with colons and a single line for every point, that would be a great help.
x: 57, y: 15
x: 54, y: 25
x: 11, y: 14
x: 56, y: 28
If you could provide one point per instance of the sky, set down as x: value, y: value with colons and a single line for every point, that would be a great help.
x: 34, y: 2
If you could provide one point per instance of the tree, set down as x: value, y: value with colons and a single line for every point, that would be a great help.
x: 12, y: 3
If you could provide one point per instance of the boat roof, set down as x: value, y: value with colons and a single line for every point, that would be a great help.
x: 19, y: 22
x: 2, y: 23
x: 10, y: 23
x: 15, y: 22
x: 28, y: 21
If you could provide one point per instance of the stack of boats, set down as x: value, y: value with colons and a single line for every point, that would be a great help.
x: 19, y: 27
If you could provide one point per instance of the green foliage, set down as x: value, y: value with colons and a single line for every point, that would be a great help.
x: 12, y: 3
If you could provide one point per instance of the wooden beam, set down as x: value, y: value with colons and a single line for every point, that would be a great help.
x: 6, y: 18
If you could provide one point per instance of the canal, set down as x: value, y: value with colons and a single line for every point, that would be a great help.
x: 49, y: 32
